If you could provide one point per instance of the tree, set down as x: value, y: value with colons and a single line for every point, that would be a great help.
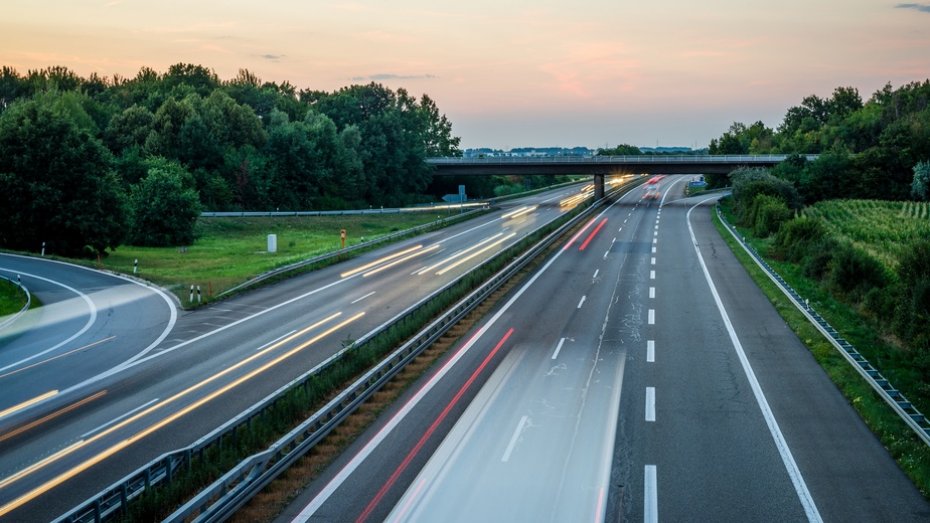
x: 165, y: 207
x: 920, y: 187
x: 58, y: 184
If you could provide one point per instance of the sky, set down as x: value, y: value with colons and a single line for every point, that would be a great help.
x: 509, y: 73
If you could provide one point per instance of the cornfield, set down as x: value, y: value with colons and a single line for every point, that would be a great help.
x: 884, y: 229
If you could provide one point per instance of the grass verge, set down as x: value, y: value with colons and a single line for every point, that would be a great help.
x: 12, y: 298
x: 302, y: 401
x: 911, y: 454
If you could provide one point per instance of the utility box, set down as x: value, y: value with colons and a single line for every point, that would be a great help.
x: 272, y: 243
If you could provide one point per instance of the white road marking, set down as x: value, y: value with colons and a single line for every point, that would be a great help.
x: 514, y: 438
x: 558, y: 348
x: 580, y: 303
x: 804, y: 495
x: 650, y: 496
x: 117, y: 419
x: 655, y: 241
x: 653, y: 250
x: 652, y: 292
x: 595, y: 273
x: 605, y: 254
x: 652, y: 316
x: 650, y: 351
x: 653, y: 262
x: 655, y: 233
x: 353, y: 302
x: 652, y: 275
x: 650, y: 403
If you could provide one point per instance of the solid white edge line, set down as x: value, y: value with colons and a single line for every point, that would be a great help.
x: 513, y: 439
x: 650, y: 404
x: 650, y: 495
x: 804, y: 495
x: 346, y: 471
x: 90, y: 320
x: 650, y: 351
x: 558, y: 348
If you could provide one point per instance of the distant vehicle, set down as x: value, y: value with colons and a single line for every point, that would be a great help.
x: 652, y: 188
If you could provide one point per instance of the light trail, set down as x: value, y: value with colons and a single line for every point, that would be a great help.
x: 458, y: 254
x: 389, y: 257
x: 401, y: 260
x: 28, y: 403
x: 476, y: 253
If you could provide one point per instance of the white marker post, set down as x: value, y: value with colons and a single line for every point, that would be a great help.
x: 135, y: 266
x: 43, y: 249
x: 191, y: 298
x: 199, y: 299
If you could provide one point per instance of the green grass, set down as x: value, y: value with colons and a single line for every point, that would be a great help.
x: 881, y: 228
x: 12, y: 298
x: 912, y: 455
x: 229, y: 251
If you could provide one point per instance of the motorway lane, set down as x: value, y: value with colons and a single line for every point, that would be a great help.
x: 692, y: 441
x: 90, y: 322
x: 208, y: 358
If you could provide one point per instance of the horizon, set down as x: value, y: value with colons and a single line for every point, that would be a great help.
x: 599, y: 75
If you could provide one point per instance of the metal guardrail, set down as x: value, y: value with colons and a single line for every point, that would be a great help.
x: 646, y: 159
x: 252, y: 474
x: 341, y: 252
x: 893, y: 397
x: 346, y: 212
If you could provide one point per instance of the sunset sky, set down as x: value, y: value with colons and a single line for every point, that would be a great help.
x: 509, y: 73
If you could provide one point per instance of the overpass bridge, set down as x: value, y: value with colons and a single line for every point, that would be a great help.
x: 601, y: 166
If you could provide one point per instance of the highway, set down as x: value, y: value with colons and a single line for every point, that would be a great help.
x: 639, y: 375
x: 220, y: 360
x: 90, y: 322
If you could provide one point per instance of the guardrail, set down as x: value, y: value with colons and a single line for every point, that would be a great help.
x: 346, y: 212
x: 893, y: 397
x: 646, y: 159
x: 235, y: 487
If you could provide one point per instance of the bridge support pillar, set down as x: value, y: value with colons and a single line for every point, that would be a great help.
x: 598, y: 186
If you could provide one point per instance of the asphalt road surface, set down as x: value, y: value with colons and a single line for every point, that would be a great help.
x: 640, y: 375
x: 218, y: 361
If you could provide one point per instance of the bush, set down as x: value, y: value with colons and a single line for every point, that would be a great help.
x: 767, y: 214
x: 854, y: 272
x: 799, y: 237
x: 912, y: 316
x: 748, y: 183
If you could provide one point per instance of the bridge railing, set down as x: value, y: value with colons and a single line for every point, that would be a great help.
x: 646, y: 159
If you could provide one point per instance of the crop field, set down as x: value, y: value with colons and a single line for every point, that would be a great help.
x: 884, y: 229
x: 228, y: 251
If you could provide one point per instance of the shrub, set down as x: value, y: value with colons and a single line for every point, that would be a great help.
x: 853, y: 272
x: 747, y: 183
x: 912, y: 316
x: 767, y: 214
x: 798, y: 237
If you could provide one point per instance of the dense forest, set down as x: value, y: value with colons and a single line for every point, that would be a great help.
x: 89, y: 163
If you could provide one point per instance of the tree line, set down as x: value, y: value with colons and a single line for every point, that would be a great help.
x: 89, y: 163
x: 877, y: 150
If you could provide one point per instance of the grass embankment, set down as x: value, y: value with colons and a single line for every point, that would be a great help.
x: 12, y: 298
x: 229, y: 251
x: 912, y: 455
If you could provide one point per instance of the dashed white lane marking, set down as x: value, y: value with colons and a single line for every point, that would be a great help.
x: 118, y: 418
x: 653, y: 262
x: 514, y: 438
x: 650, y: 496
x: 650, y: 403
x: 650, y: 351
x: 276, y: 340
x: 580, y: 303
x: 653, y: 250
x: 558, y: 348
x: 656, y: 234
x: 595, y: 274
x: 652, y: 293
x: 361, y: 298
x: 652, y: 316
x: 652, y: 275
x: 606, y: 253
x: 655, y: 240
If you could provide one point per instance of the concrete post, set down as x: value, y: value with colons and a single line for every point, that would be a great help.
x: 598, y: 186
